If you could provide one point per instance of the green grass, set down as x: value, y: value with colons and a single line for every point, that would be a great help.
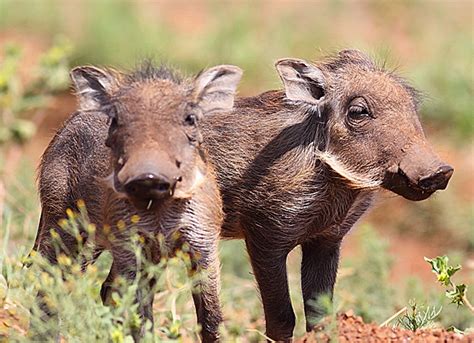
x: 75, y: 295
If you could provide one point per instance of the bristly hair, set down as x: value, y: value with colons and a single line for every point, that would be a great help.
x: 345, y: 58
x: 340, y: 61
x: 147, y: 71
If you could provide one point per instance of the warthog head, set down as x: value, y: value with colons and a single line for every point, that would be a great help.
x: 154, y: 120
x: 373, y: 136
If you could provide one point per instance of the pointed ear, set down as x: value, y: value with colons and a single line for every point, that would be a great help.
x: 93, y: 86
x: 214, y: 89
x: 302, y: 80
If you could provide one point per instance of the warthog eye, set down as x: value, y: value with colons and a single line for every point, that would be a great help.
x: 358, y: 112
x: 190, y: 119
x: 358, y: 109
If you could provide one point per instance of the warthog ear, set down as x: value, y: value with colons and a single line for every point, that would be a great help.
x: 302, y: 80
x: 93, y: 86
x: 214, y: 88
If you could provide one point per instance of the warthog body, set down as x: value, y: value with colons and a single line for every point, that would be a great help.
x: 134, y: 148
x: 296, y: 167
x: 300, y: 166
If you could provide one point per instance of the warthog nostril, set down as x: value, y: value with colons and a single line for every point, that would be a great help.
x: 150, y: 186
x: 163, y: 187
x: 437, y: 180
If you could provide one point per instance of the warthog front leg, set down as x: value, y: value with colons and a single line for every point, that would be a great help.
x: 269, y: 267
x: 318, y: 275
x: 204, y: 253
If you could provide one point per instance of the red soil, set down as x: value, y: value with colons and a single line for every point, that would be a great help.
x: 351, y: 328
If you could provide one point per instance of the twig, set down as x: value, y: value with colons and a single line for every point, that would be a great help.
x: 393, y: 317
x: 467, y: 303
x: 261, y: 334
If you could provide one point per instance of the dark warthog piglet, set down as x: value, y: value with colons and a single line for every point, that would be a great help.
x: 134, y: 148
x: 300, y: 166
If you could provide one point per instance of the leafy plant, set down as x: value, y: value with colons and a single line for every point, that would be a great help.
x: 417, y: 317
x: 50, y: 76
x: 70, y: 290
x: 444, y: 271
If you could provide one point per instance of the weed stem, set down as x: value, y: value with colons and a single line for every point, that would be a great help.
x: 403, y: 310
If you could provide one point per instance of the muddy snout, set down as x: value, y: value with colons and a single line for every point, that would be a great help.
x: 437, y: 180
x: 150, y: 186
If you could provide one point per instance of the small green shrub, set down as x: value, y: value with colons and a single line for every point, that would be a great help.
x: 418, y: 317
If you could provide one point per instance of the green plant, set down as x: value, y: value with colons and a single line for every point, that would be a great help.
x: 444, y: 271
x: 70, y: 290
x: 417, y: 317
x: 50, y: 76
x: 366, y: 287
x: 327, y: 327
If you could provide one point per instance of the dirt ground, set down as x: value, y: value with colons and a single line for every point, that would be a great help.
x: 351, y: 328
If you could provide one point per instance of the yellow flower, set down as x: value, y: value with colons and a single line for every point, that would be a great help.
x: 64, y: 260
x: 121, y: 225
x: 176, y: 235
x: 135, y: 219
x: 79, y: 238
x: 91, y: 228
x: 46, y: 280
x: 70, y: 213
x: 116, y: 336
x: 63, y: 223
x: 81, y: 203
x: 106, y: 229
x: 54, y: 234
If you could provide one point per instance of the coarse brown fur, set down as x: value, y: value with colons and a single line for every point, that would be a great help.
x: 300, y: 166
x: 140, y: 130
x: 295, y: 168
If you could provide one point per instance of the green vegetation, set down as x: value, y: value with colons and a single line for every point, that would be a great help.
x: 72, y: 294
x: 444, y: 271
x: 49, y: 77
x: 75, y: 295
x: 435, y: 40
x: 418, y: 317
x: 367, y: 285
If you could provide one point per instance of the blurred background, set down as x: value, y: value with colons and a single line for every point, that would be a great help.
x: 428, y: 42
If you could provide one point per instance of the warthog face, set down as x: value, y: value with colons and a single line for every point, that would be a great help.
x: 373, y: 134
x: 154, y: 120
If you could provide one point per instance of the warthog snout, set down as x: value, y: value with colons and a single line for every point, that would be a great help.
x: 420, y: 174
x: 438, y: 180
x: 148, y: 175
x: 150, y: 186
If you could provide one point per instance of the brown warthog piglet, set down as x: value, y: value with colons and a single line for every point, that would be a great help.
x: 134, y: 148
x: 300, y: 166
